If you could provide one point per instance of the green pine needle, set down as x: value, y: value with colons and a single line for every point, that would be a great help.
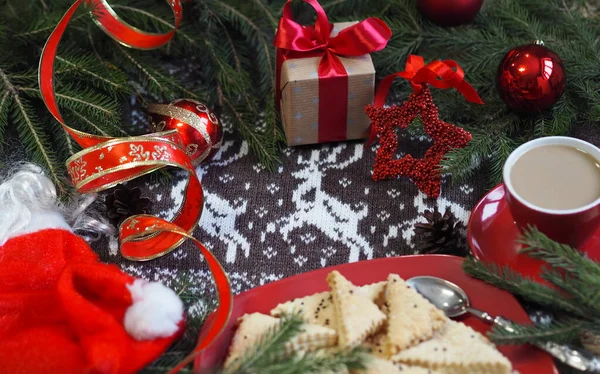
x: 564, y: 257
x: 269, y: 348
x: 532, y: 291
x: 269, y: 356
x: 559, y: 332
x: 575, y: 294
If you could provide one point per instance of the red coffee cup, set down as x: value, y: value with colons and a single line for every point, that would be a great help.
x: 569, y: 226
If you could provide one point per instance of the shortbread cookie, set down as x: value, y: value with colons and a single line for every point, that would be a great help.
x: 456, y: 349
x: 377, y: 344
x: 312, y: 337
x: 356, y: 315
x: 374, y: 291
x: 376, y: 365
x: 411, y: 318
x: 318, y: 308
x: 252, y: 328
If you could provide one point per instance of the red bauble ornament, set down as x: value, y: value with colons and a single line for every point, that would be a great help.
x: 531, y: 78
x: 198, y: 126
x: 450, y: 12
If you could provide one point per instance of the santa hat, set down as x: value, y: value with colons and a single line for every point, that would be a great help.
x: 61, y: 310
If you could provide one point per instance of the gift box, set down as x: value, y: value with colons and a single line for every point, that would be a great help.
x: 300, y: 97
x: 326, y: 77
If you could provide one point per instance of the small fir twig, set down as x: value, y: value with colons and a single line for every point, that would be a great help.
x: 269, y: 356
x: 558, y: 332
x: 507, y: 279
x: 575, y: 293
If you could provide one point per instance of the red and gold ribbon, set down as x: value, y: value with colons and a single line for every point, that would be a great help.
x: 105, y: 162
x: 296, y: 41
x: 439, y: 74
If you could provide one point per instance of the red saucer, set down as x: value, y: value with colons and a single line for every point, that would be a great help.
x: 492, y: 235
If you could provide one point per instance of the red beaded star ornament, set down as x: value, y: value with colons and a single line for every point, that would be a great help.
x: 424, y: 172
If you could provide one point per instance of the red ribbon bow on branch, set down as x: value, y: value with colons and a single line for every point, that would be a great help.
x: 439, y: 74
x: 296, y: 41
x: 419, y: 74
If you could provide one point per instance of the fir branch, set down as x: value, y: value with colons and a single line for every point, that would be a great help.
x: 269, y: 348
x: 32, y: 136
x: 558, y: 255
x: 254, y: 34
x: 90, y: 66
x: 560, y: 331
x: 155, y: 82
x: 4, y: 109
x: 91, y: 125
x: 44, y: 27
x: 462, y: 162
x: 532, y: 291
x: 319, y: 361
x: 263, y: 145
x: 503, y: 147
x: 83, y: 100
x: 267, y: 12
x: 147, y: 15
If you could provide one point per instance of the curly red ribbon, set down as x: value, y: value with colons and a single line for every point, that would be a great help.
x: 296, y: 41
x: 439, y: 74
x: 105, y: 162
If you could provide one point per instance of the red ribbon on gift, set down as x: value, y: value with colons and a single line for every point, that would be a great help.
x: 439, y: 74
x: 105, y: 162
x: 296, y: 41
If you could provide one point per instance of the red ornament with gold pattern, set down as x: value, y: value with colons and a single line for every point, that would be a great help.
x: 198, y: 125
x: 531, y: 78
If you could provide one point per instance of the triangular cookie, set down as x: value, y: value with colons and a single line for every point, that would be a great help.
x: 318, y: 308
x: 312, y: 337
x: 457, y: 348
x: 356, y: 315
x: 377, y: 344
x: 376, y: 365
x: 412, y: 318
x: 250, y: 328
x: 253, y: 326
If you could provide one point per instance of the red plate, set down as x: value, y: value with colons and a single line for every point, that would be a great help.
x: 525, y: 359
x: 493, y: 234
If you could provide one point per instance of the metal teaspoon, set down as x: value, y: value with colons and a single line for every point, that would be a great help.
x: 454, y: 302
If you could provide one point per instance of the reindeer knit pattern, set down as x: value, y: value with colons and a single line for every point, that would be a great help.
x: 320, y: 207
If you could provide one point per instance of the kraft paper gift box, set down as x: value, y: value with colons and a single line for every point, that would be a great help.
x: 300, y: 99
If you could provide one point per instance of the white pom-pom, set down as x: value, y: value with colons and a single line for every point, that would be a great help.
x: 27, y: 204
x: 155, y: 313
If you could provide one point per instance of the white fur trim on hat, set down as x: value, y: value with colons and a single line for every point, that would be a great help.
x: 27, y: 204
x: 155, y: 313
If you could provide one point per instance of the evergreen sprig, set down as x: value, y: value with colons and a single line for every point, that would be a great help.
x: 574, y: 295
x: 269, y: 355
x: 560, y: 331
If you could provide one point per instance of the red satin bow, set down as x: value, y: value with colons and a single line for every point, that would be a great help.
x: 418, y: 74
x: 439, y: 74
x: 370, y: 35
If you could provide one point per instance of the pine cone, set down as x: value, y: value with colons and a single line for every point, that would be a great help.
x: 125, y: 202
x: 440, y: 234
